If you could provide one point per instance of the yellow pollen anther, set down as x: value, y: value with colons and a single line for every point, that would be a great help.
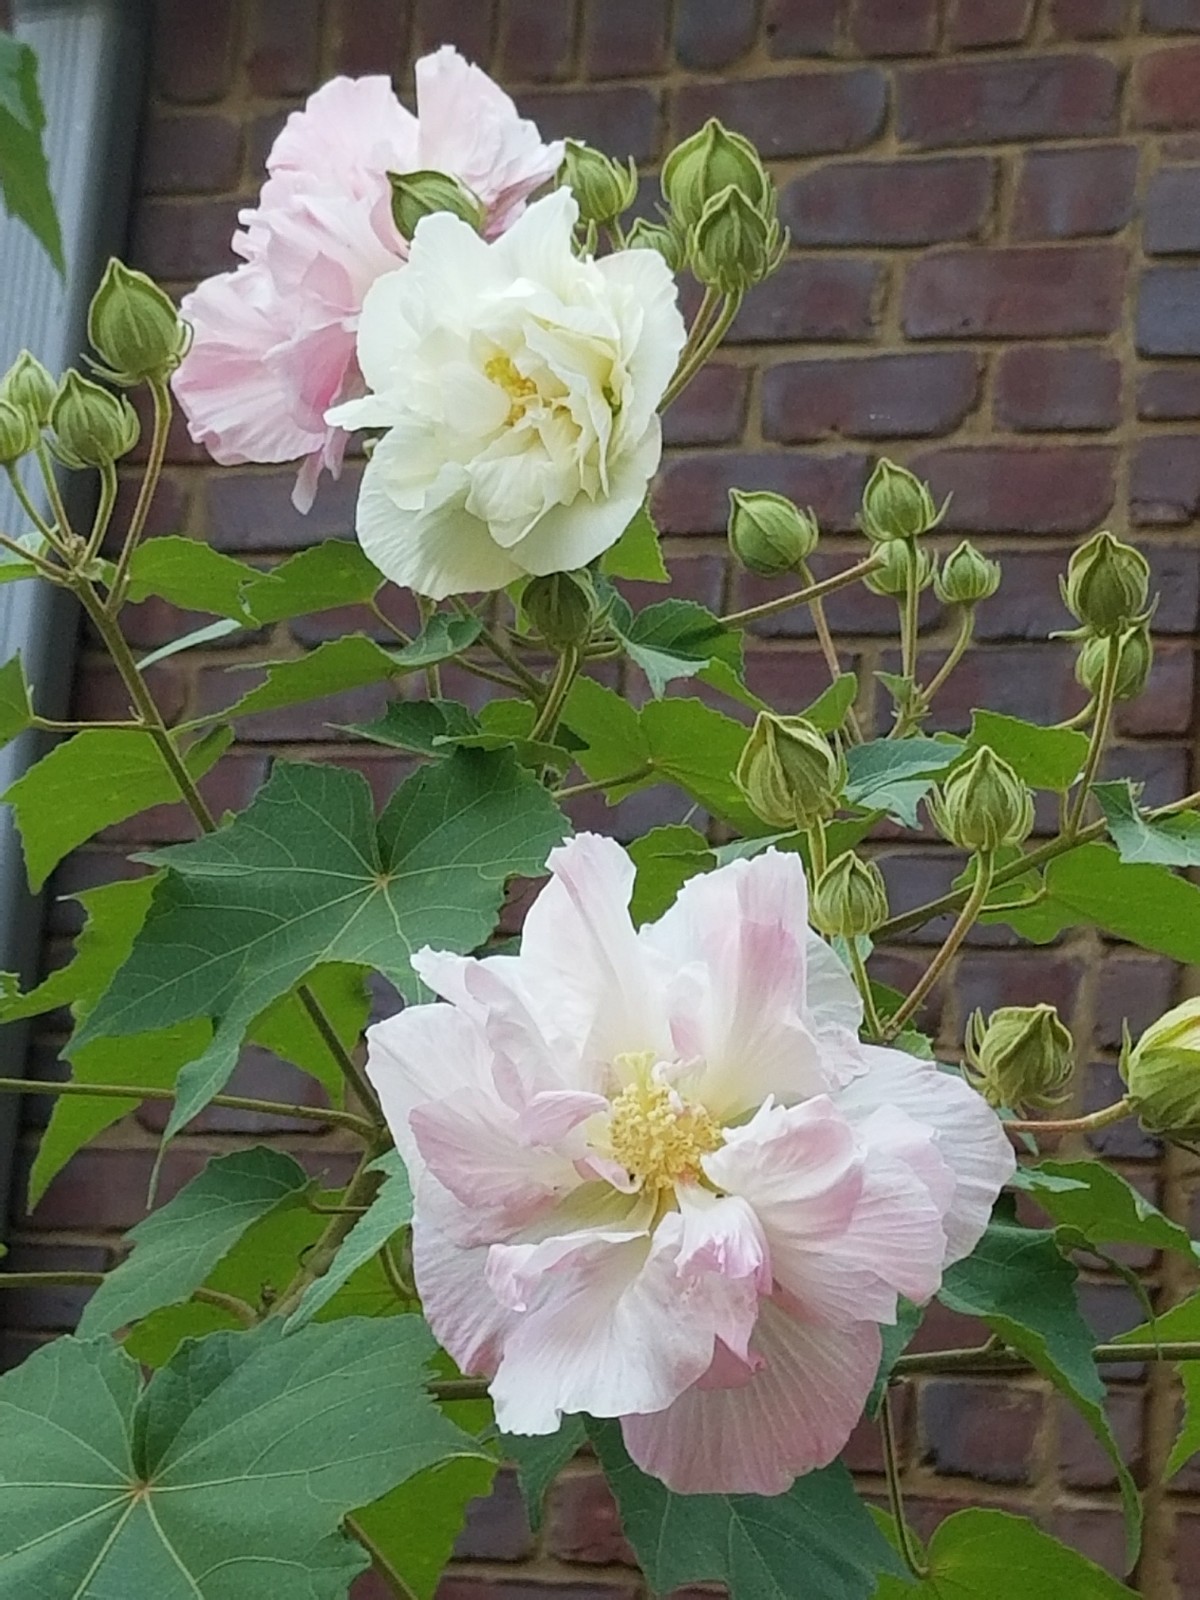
x: 658, y: 1138
x: 503, y: 370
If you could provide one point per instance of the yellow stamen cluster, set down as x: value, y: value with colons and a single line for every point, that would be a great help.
x: 657, y: 1138
x: 503, y: 370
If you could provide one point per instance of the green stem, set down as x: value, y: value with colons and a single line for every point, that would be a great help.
x: 560, y: 688
x: 895, y: 1494
x: 241, y: 1309
x: 1117, y: 1112
x: 104, y: 510
x: 1081, y: 718
x: 690, y: 364
x: 380, y: 616
x: 63, y: 529
x: 359, y: 1192
x: 1100, y: 728
x: 349, y: 1068
x: 966, y: 630
x: 394, y: 1273
x: 161, y: 397
x: 492, y: 639
x: 980, y: 889
x: 46, y: 568
x: 379, y: 1560
x: 51, y: 725
x: 596, y: 784
x: 817, y: 851
x: 449, y: 1389
x: 236, y: 1102
x: 986, y: 1358
x: 861, y: 978
x: 802, y: 597
x: 910, y: 619
x: 30, y: 510
x: 433, y: 673
x: 829, y: 650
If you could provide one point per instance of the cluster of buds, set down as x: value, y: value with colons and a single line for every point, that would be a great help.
x: 1135, y: 657
x: 604, y: 189
x: 90, y: 426
x: 1107, y: 591
x: 562, y: 607
x: 26, y: 396
x: 416, y: 195
x: 789, y: 773
x: 722, y: 206
x: 849, y: 899
x: 982, y: 805
x: 768, y: 534
x: 1162, y: 1074
x: 1021, y: 1058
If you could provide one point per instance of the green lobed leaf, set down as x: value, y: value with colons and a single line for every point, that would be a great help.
x: 1182, y: 1323
x: 351, y: 662
x: 323, y: 576
x: 415, y: 1527
x: 1019, y: 1282
x: 192, y: 575
x: 829, y: 710
x: 755, y: 1545
x: 415, y: 724
x: 894, y: 775
x: 1046, y: 758
x: 24, y: 175
x: 287, y: 1029
x: 1170, y: 842
x: 539, y: 1458
x: 177, y: 1246
x: 91, y: 781
x: 306, y: 876
x: 1103, y: 1207
x: 637, y: 554
x: 675, y: 639
x: 665, y: 859
x: 993, y: 1555
x: 391, y: 1209
x: 16, y: 708
x: 227, y: 1477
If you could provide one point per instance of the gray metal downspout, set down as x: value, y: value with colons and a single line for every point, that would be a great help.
x: 92, y: 56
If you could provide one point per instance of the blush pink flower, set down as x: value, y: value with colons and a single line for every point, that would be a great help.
x: 659, y: 1178
x: 274, y: 340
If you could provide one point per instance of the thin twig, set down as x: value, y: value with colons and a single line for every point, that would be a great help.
x: 802, y: 597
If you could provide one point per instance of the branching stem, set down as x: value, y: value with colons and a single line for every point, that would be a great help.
x: 802, y: 597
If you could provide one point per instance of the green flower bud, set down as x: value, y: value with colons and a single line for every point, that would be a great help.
x: 895, y: 558
x: 967, y: 577
x: 790, y: 774
x: 1133, y: 663
x: 1162, y: 1073
x: 897, y: 505
x: 420, y: 194
x: 849, y: 898
x: 768, y: 534
x: 18, y: 432
x: 134, y: 327
x: 668, y: 241
x: 983, y: 804
x: 1107, y: 584
x: 27, y: 384
x: 1022, y: 1057
x: 603, y: 188
x: 734, y: 246
x: 92, y: 426
x: 562, y: 607
x: 709, y: 162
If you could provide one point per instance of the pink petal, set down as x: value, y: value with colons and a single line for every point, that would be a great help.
x: 722, y: 1234
x: 417, y: 1057
x: 794, y: 1415
x: 465, y: 1316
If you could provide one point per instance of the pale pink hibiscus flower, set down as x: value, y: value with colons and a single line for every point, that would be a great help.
x: 274, y: 341
x: 658, y: 1177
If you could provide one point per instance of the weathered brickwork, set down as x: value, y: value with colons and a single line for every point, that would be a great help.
x: 995, y: 277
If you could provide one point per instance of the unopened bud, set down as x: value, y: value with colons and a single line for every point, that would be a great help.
x: 1134, y: 661
x: 734, y: 246
x: 603, y: 188
x: 983, y: 804
x: 895, y: 559
x: 768, y: 534
x: 1022, y: 1057
x: 790, y: 774
x: 134, y: 327
x: 849, y: 898
x: 18, y: 433
x: 897, y: 505
x: 28, y: 385
x: 712, y: 160
x: 668, y: 241
x: 92, y: 426
x: 1162, y: 1073
x: 416, y: 195
x: 562, y: 607
x: 1107, y: 584
x: 967, y: 577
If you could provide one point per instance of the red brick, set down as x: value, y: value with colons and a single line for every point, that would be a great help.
x: 996, y: 488
x: 1088, y: 19
x: 624, y: 38
x: 253, y: 510
x: 50, y: 1308
x: 801, y: 114
x: 1170, y: 394
x: 471, y: 28
x: 262, y: 1076
x: 1168, y: 313
x: 1027, y: 605
x: 814, y: 299
x: 1163, y: 771
x: 100, y: 696
x: 583, y: 1524
x: 1166, y: 705
x: 262, y: 133
x: 1120, y: 1141
x: 190, y: 155
x: 977, y: 1430
x: 1037, y: 683
x: 621, y: 121
x: 1015, y: 293
x: 108, y: 1188
x: 461, y: 1586
x: 981, y: 102
x: 1134, y: 988
x: 864, y: 1448
x: 537, y: 42
x: 184, y: 241
x: 871, y: 397
x: 370, y: 36
x: 714, y: 33
x: 1171, y: 16
x: 894, y: 27
x: 1043, y: 387
x: 712, y: 409
x: 1063, y: 194
x: 692, y: 492
x: 890, y: 202
x: 1165, y: 486
x: 1166, y: 88
x: 973, y: 26
x: 984, y: 981
x: 1098, y: 1535
x: 496, y: 1526
x: 802, y: 27
x: 193, y: 49
x: 230, y: 786
x: 788, y: 680
x: 168, y: 509
x: 283, y: 54
x: 1171, y: 221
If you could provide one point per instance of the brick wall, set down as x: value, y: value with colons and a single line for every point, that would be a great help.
x: 995, y: 277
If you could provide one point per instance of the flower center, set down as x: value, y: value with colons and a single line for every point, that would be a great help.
x: 658, y: 1137
x: 503, y: 370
